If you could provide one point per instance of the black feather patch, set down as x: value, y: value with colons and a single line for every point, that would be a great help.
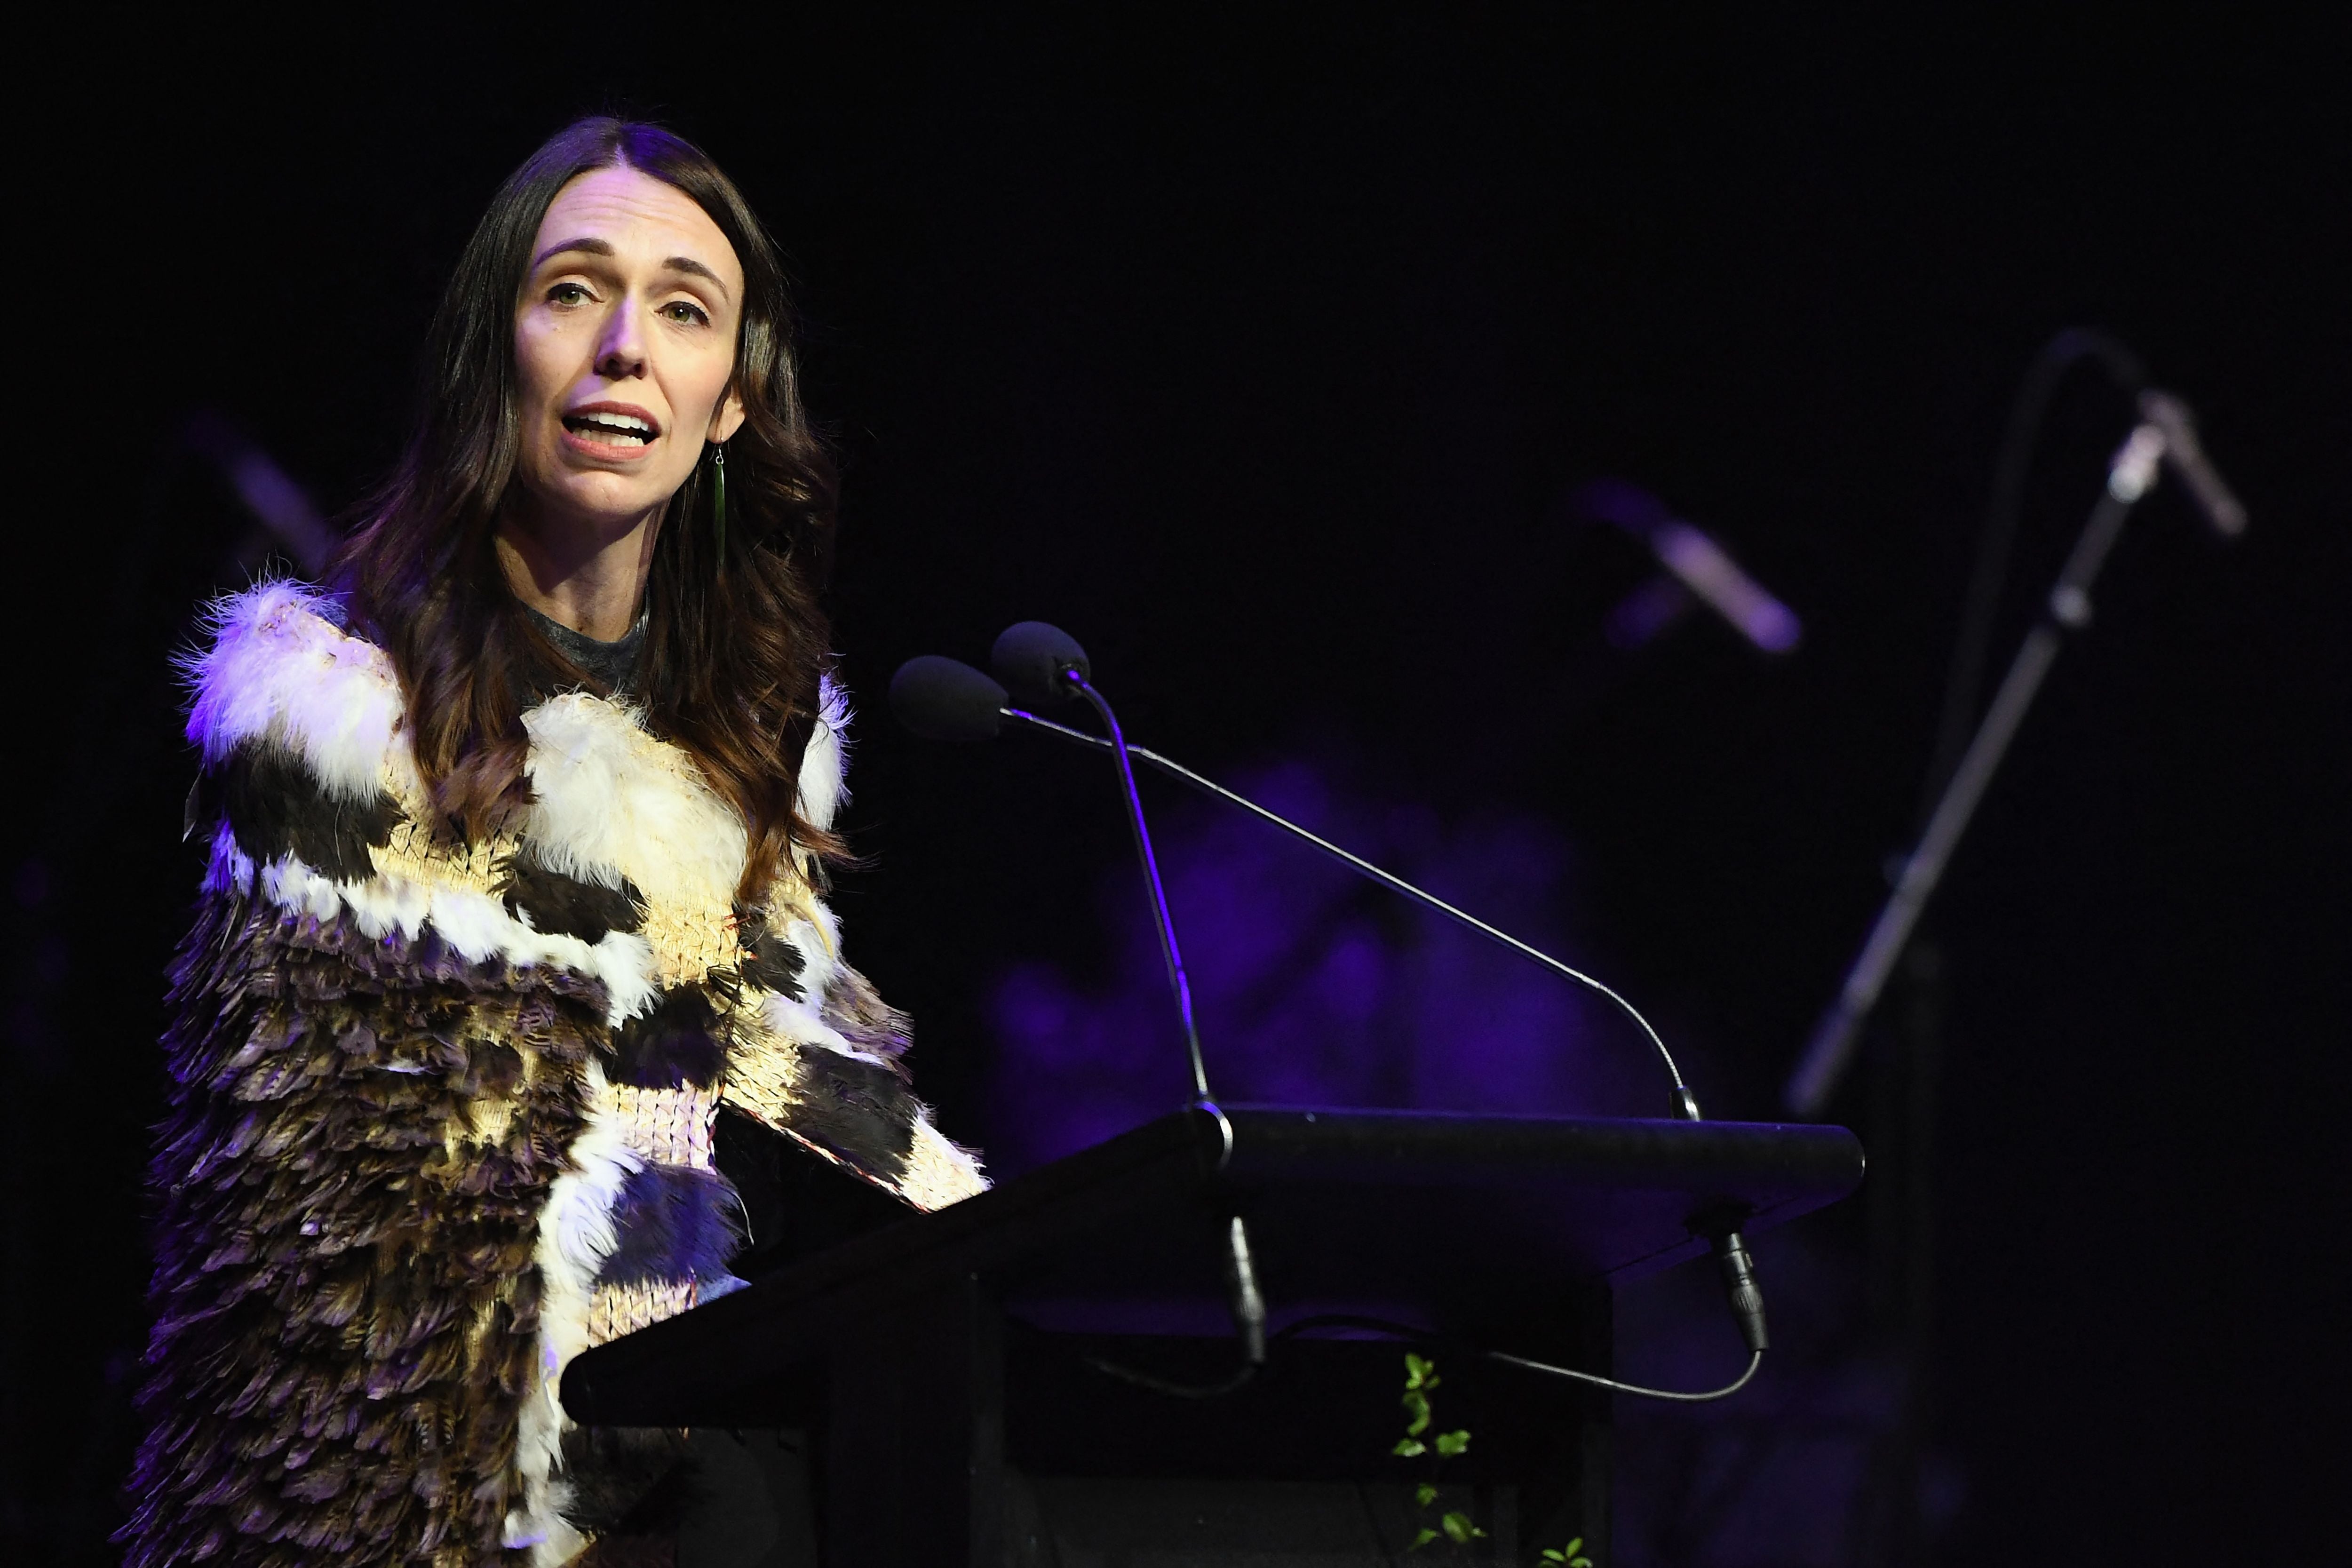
x: 565, y: 905
x: 861, y: 1111
x: 674, y: 1223
x: 681, y: 1041
x: 775, y: 964
x: 275, y: 805
x: 771, y: 962
x: 795, y: 1205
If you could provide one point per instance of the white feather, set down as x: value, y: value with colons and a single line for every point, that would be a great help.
x: 818, y: 934
x: 575, y: 1237
x: 825, y: 766
x: 476, y: 925
x: 801, y: 1024
x: 280, y: 669
x: 613, y: 802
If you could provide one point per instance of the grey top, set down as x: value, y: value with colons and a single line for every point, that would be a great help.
x: 613, y: 663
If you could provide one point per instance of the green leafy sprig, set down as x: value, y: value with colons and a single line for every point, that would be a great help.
x: 1453, y: 1525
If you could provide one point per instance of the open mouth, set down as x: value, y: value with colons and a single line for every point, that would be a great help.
x: 606, y: 428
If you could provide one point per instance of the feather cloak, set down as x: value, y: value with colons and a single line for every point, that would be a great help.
x: 441, y: 1112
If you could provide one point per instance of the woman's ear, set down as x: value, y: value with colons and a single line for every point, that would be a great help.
x: 728, y: 417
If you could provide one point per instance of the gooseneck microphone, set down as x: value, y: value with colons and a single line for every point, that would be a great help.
x: 941, y: 698
x: 1045, y: 662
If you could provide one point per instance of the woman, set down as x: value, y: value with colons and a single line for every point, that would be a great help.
x: 517, y: 844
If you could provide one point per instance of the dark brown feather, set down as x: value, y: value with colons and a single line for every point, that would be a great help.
x: 346, y: 1311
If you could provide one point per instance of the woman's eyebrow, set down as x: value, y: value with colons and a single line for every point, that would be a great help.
x: 588, y: 245
x: 690, y: 266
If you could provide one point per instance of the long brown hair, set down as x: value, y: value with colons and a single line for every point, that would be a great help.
x: 734, y: 648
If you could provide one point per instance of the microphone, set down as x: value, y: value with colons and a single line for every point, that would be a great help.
x: 1694, y: 565
x: 947, y: 700
x: 2184, y: 455
x: 1036, y: 662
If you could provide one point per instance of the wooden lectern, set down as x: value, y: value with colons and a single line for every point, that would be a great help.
x: 944, y: 1364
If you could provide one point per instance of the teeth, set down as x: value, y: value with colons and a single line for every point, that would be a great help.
x: 612, y: 429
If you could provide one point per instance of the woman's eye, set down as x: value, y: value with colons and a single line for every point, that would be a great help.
x: 686, y: 313
x: 567, y: 294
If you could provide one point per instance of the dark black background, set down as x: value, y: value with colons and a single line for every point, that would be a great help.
x: 1256, y: 351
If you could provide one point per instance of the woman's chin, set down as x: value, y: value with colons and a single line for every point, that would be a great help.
x: 599, y: 502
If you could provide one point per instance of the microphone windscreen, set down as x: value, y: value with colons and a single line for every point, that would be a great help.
x: 943, y: 699
x: 1031, y: 657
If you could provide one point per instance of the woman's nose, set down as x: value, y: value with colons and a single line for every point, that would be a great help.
x: 621, y: 351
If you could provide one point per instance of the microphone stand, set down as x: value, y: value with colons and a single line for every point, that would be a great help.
x: 1829, y: 1052
x: 1163, y: 922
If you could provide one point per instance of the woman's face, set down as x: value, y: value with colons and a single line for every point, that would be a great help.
x: 624, y: 340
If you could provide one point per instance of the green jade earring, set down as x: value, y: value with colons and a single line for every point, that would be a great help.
x: 719, y: 500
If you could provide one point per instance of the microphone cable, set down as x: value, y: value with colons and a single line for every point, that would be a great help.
x: 1407, y: 1333
x: 1754, y: 1361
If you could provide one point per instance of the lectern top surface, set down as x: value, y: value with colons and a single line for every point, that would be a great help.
x: 1470, y: 1223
